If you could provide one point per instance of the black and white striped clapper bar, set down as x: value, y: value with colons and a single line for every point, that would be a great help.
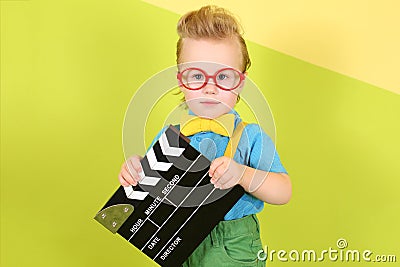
x: 174, y: 206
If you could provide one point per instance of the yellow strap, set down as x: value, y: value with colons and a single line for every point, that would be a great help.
x: 234, y: 140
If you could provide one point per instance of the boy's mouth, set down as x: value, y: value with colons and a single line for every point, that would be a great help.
x: 209, y: 102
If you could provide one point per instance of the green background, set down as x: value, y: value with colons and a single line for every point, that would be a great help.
x: 68, y: 72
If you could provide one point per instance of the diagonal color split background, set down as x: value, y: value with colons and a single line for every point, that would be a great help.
x: 70, y: 68
x: 355, y: 38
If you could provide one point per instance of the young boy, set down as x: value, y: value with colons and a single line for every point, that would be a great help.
x: 212, y: 61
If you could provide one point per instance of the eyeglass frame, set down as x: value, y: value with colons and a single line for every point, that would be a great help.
x: 242, y: 77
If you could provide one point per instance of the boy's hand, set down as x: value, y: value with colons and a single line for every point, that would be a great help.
x: 225, y: 172
x: 130, y: 170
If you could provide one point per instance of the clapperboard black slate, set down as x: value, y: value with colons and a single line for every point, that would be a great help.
x: 174, y: 206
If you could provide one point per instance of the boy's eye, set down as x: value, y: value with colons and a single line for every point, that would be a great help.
x: 222, y: 76
x: 198, y: 76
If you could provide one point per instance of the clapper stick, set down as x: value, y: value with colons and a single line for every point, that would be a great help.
x: 174, y: 206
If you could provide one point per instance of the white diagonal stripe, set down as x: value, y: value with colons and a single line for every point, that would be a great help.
x: 128, y: 190
x: 167, y: 149
x: 148, y: 180
x: 154, y: 164
x: 132, y: 194
x: 139, y: 195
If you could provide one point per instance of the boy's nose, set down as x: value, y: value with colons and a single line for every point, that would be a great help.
x: 210, y: 88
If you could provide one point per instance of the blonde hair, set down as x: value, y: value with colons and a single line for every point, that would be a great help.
x: 211, y: 22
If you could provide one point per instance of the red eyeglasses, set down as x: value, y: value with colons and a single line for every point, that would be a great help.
x: 195, y: 78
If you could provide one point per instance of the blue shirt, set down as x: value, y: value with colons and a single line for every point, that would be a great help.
x: 255, y: 149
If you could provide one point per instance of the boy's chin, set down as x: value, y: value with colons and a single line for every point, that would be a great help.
x: 209, y: 114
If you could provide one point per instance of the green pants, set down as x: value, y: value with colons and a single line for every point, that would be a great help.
x: 230, y: 244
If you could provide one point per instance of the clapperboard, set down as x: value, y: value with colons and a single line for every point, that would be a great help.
x: 174, y: 206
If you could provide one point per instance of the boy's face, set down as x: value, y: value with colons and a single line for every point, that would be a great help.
x: 210, y: 56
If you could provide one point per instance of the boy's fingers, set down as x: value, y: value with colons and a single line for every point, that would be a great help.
x: 215, y: 164
x: 136, y: 169
x: 220, y: 167
x: 224, y: 178
x: 217, y: 174
x: 128, y: 177
x: 128, y: 168
x: 227, y: 183
x: 134, y: 162
x: 122, y: 181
